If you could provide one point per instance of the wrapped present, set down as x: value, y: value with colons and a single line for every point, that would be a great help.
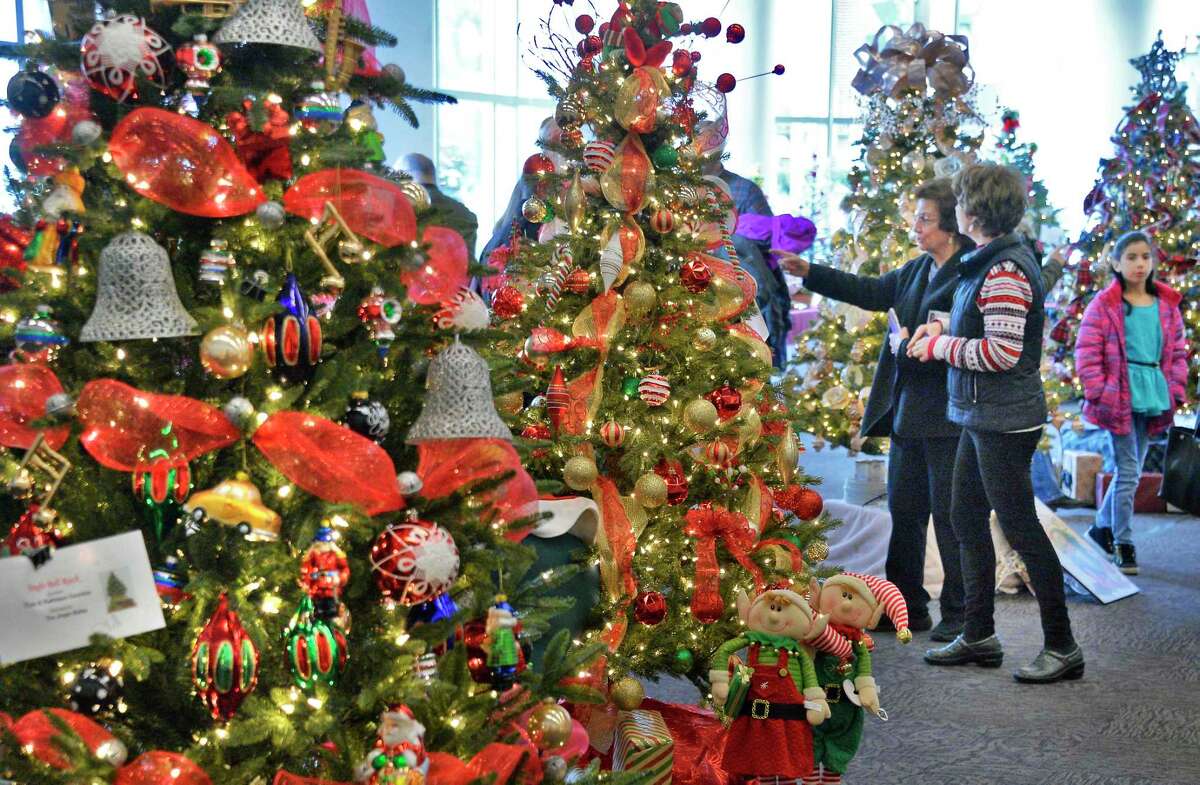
x: 644, y: 744
x: 1079, y: 470
x: 1145, y: 498
x: 740, y: 676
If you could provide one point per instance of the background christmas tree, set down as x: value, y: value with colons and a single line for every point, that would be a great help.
x: 646, y: 387
x: 1151, y: 183
x: 196, y: 192
x: 912, y: 132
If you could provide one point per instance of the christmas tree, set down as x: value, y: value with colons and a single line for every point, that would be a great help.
x: 912, y: 132
x: 1041, y: 221
x: 647, y: 387
x: 1152, y: 183
x: 224, y: 311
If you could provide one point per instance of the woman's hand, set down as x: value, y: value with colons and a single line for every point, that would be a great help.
x: 918, y: 345
x: 791, y: 263
x: 1059, y: 254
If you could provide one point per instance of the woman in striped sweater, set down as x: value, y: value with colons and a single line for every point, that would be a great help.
x: 992, y: 342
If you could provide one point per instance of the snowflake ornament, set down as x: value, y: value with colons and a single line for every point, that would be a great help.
x: 115, y: 52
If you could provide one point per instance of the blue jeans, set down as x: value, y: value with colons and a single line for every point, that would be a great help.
x: 1129, y: 451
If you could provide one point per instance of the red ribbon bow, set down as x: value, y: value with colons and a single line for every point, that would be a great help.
x: 708, y: 524
x: 266, y: 152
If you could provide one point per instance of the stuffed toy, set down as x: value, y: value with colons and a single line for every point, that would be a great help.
x: 853, y: 604
x: 773, y: 700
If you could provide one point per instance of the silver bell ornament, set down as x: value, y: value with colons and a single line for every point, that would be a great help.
x: 458, y: 399
x: 135, y: 294
x: 279, y: 22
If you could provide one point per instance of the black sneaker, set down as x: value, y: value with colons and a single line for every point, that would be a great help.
x: 1102, y: 536
x: 1126, y: 558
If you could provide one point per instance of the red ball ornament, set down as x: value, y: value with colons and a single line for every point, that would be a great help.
x: 538, y: 165
x: 695, y: 275
x: 719, y: 454
x: 593, y: 45
x: 806, y: 503
x: 118, y: 51
x: 685, y: 28
x: 584, y: 23
x: 612, y: 433
x: 649, y: 608
x: 579, y: 281
x: 414, y: 561
x: 224, y: 662
x: 695, y: 57
x: 681, y: 62
x: 735, y: 33
x: 536, y: 431
x: 663, y: 221
x: 711, y: 27
x: 726, y: 82
x: 727, y: 400
x: 508, y: 302
x: 677, y: 486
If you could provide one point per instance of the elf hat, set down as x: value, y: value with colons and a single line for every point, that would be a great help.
x: 883, y: 595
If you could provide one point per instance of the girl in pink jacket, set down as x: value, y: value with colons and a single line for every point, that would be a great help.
x: 1131, y: 356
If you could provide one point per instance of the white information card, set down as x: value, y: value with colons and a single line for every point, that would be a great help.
x: 103, y: 586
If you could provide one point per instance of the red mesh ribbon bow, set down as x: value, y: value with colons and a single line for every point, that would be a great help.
x: 446, y: 465
x: 24, y: 390
x: 330, y: 461
x: 118, y: 420
x: 708, y: 524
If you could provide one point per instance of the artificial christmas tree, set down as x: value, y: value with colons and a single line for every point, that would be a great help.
x: 647, y: 387
x: 178, y: 219
x: 1151, y: 183
x: 915, y: 129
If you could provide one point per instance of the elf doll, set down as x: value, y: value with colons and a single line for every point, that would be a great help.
x: 770, y: 739
x: 854, y: 603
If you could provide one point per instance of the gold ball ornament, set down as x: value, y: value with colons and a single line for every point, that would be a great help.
x: 640, y: 298
x: 788, y: 455
x: 580, y: 472
x: 700, y: 416
x: 628, y: 693
x: 226, y: 351
x: 549, y: 726
x: 704, y: 339
x: 817, y: 550
x: 751, y: 427
x: 417, y: 194
x: 650, y: 490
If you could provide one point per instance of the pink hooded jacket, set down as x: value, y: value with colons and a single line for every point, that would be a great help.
x: 1101, y: 364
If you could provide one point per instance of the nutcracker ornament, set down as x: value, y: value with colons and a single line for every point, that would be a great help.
x: 224, y: 662
x: 774, y: 700
x: 398, y: 757
x: 324, y: 573
x: 854, y: 603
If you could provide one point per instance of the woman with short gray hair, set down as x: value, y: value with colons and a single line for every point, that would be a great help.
x: 992, y: 342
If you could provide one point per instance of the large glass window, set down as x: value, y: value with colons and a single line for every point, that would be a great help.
x: 17, y: 17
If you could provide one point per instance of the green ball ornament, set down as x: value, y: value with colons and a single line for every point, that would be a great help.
x: 629, y: 387
x: 684, y: 660
x: 665, y: 157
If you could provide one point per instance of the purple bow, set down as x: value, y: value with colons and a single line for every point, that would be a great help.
x: 791, y: 233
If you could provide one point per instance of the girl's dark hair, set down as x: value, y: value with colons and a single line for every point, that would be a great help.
x: 1123, y: 242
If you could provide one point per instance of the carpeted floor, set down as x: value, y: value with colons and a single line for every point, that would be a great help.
x: 1134, y: 719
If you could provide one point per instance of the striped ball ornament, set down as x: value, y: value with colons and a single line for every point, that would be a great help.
x: 663, y: 221
x: 718, y: 453
x: 599, y: 155
x: 612, y: 433
x: 654, y: 389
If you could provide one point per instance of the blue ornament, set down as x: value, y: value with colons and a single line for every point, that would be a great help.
x: 292, y: 338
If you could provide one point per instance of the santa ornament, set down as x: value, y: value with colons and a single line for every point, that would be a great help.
x: 398, y: 757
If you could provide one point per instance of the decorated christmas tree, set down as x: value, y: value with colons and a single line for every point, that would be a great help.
x: 1151, y: 183
x: 1041, y: 222
x: 648, y: 396
x: 231, y: 325
x: 914, y: 130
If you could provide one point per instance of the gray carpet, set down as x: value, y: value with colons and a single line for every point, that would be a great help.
x: 1134, y: 719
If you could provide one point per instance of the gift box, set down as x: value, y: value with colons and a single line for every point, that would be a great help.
x: 1079, y: 470
x: 1145, y: 498
x: 644, y: 744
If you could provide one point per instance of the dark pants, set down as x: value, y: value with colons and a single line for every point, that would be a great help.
x: 992, y: 472
x: 920, y: 477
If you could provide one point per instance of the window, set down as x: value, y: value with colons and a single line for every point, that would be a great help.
x: 15, y: 20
